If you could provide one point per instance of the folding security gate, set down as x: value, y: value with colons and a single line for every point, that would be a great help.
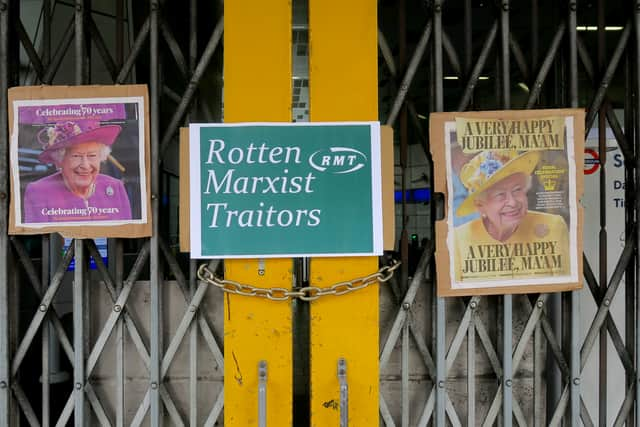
x: 142, y: 339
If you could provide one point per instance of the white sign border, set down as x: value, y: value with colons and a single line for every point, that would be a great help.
x: 195, y: 205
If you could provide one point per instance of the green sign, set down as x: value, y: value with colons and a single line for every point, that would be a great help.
x: 285, y: 190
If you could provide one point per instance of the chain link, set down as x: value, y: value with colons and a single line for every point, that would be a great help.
x: 307, y: 293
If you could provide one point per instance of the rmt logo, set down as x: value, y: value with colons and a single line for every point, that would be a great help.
x: 338, y: 160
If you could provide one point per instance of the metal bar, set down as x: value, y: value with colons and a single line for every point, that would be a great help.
x: 182, y: 282
x: 606, y: 78
x: 405, y: 366
x: 61, y: 52
x: 630, y: 281
x: 174, y: 48
x: 215, y: 410
x: 585, y: 417
x: 172, y: 410
x: 46, y: 32
x: 193, y: 85
x: 556, y: 350
x: 602, y: 236
x: 401, y: 316
x: 427, y: 411
x: 262, y: 394
x: 142, y: 411
x: 468, y: 42
x: 5, y: 383
x: 130, y: 323
x: 534, y: 34
x: 344, y: 393
x: 103, y: 50
x: 614, y: 333
x: 78, y: 336
x: 136, y: 269
x: 627, y: 151
x: 38, y: 318
x: 119, y: 32
x: 463, y: 326
x: 625, y: 409
x: 518, y: 55
x: 193, y: 329
x: 114, y: 317
x: 35, y: 60
x: 471, y: 371
x: 193, y: 349
x: 409, y: 74
x: 211, y: 341
x: 423, y: 349
x: 507, y: 313
x: 452, y: 55
x: 489, y: 349
x: 440, y: 323
x: 600, y: 316
x: 477, y: 68
x: 135, y: 51
x: 46, y: 340
x: 385, y: 413
x: 98, y: 409
x: 507, y: 368
x: 636, y: 233
x: 182, y: 328
x: 403, y: 137
x: 25, y: 405
x: 80, y: 47
x: 385, y: 50
x: 155, y: 259
x: 538, y: 373
x: 453, y: 415
x: 546, y: 65
x: 66, y: 413
x: 120, y: 350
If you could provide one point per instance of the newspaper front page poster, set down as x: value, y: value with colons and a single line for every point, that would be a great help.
x: 512, y: 180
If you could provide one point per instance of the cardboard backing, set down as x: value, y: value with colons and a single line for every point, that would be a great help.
x: 443, y: 257
x: 89, y: 92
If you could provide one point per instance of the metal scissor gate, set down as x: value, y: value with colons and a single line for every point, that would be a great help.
x: 141, y: 339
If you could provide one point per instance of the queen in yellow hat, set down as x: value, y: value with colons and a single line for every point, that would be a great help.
x: 507, y: 240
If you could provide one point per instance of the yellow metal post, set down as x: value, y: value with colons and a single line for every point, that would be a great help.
x: 343, y: 86
x: 257, y: 87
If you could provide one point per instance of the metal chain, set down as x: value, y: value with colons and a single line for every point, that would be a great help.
x: 308, y: 293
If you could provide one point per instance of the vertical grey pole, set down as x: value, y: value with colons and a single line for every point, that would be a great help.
x: 507, y: 312
x: 115, y: 246
x: 80, y: 415
x: 78, y: 335
x: 602, y: 240
x: 262, y: 394
x: 405, y: 372
x: 440, y: 414
x: 344, y: 392
x: 4, y: 285
x: 468, y: 38
x: 193, y: 332
x: 631, y: 296
x: 471, y: 369
x: 118, y: 256
x: 574, y: 351
x: 636, y: 120
x: 48, y: 341
x: 156, y: 332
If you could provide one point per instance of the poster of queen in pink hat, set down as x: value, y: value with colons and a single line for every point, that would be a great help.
x: 79, y: 162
